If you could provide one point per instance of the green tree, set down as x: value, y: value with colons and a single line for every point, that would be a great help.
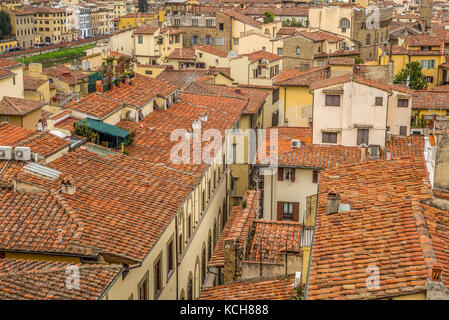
x: 411, y: 75
x: 269, y: 17
x: 5, y: 24
x: 143, y: 5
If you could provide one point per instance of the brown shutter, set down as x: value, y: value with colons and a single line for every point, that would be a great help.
x: 295, y: 211
x: 293, y: 174
x: 280, y: 174
x: 280, y: 210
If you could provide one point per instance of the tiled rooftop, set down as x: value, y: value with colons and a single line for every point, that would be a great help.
x: 237, y: 227
x: 431, y: 99
x: 272, y: 238
x: 269, y: 289
x: 18, y: 107
x: 182, y: 54
x: 45, y: 280
x: 380, y: 229
x: 96, y: 104
x: 212, y: 50
x: 65, y: 74
x: 296, y: 77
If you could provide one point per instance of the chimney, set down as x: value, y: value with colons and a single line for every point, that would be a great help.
x: 440, y: 176
x: 99, y: 86
x: 363, y: 154
x: 436, y: 271
x: 332, y: 202
x: 68, y: 186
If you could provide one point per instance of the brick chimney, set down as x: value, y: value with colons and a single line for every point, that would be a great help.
x: 99, y: 86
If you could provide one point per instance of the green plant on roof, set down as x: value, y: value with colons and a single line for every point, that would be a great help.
x: 81, y: 129
x: 244, y: 204
x: 299, y: 294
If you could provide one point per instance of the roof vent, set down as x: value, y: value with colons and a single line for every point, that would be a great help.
x: 203, y: 117
x: 295, y: 143
x: 332, y: 202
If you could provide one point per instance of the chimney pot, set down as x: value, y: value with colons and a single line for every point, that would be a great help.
x: 68, y: 186
x: 332, y: 202
x: 99, y: 86
x: 436, y: 272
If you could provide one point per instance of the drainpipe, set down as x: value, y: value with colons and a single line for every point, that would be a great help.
x: 285, y: 103
x: 176, y: 255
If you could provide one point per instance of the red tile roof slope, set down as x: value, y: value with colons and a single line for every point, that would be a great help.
x: 431, y: 99
x: 271, y: 238
x: 269, y: 289
x: 243, y: 18
x: 212, y: 50
x: 19, y: 107
x: 182, y: 54
x: 45, y: 280
x: 379, y: 230
x: 237, y: 227
x: 296, y: 77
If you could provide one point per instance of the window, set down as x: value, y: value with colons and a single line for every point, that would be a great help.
x: 329, y: 137
x: 195, y: 40
x: 403, y: 130
x: 221, y: 26
x: 143, y: 288
x: 203, y: 265
x: 209, y: 23
x: 379, y: 101
x: 209, y: 248
x: 180, y: 244
x: 157, y: 277
x: 403, y: 103
x: 344, y: 24
x: 315, y: 176
x: 288, y: 174
x: 428, y: 64
x: 208, y: 40
x: 169, y: 259
x: 5, y: 119
x: 236, y: 41
x: 148, y: 72
x: 14, y: 81
x: 279, y: 52
x: 332, y: 100
x: 177, y: 22
x: 195, y: 22
x: 140, y: 39
x: 275, y: 95
x: 288, y: 211
x: 362, y: 136
x: 298, y: 51
x: 368, y: 39
x: 220, y: 41
x: 189, y: 226
x: 428, y: 79
x: 234, y: 153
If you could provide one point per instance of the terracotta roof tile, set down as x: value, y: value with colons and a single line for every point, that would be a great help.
x: 32, y: 83
x: 9, y: 64
x: 237, y: 227
x: 212, y: 50
x: 431, y: 99
x: 96, y: 104
x: 262, y: 54
x: 269, y: 289
x: 145, y: 30
x: 320, y: 36
x: 182, y: 54
x: 296, y: 77
x: 45, y: 280
x: 272, y: 238
x: 379, y: 230
x: 18, y: 107
x: 65, y: 74
x: 243, y: 18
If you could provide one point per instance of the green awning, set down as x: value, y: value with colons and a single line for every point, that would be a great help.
x: 100, y: 126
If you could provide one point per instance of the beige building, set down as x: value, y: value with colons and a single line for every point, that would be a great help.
x: 352, y: 111
x: 360, y: 28
x: 23, y: 27
x: 257, y: 68
x: 50, y: 24
x: 11, y: 79
x: 21, y: 112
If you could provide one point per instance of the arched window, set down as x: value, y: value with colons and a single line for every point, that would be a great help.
x: 190, y: 290
x: 203, y: 265
x: 368, y: 39
x: 209, y: 247
x: 344, y: 24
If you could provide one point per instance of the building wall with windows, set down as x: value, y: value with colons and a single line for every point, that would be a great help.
x: 50, y: 24
x: 355, y: 111
x: 23, y: 27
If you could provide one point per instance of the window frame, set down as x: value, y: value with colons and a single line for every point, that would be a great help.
x: 400, y: 100
x: 328, y: 101
x: 329, y: 140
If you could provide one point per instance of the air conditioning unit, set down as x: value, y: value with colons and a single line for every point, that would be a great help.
x: 5, y: 153
x: 131, y: 115
x: 295, y: 143
x: 22, y: 153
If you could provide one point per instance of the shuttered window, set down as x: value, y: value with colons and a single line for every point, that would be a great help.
x: 288, y: 211
x: 403, y: 130
x: 329, y: 137
x: 362, y: 136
